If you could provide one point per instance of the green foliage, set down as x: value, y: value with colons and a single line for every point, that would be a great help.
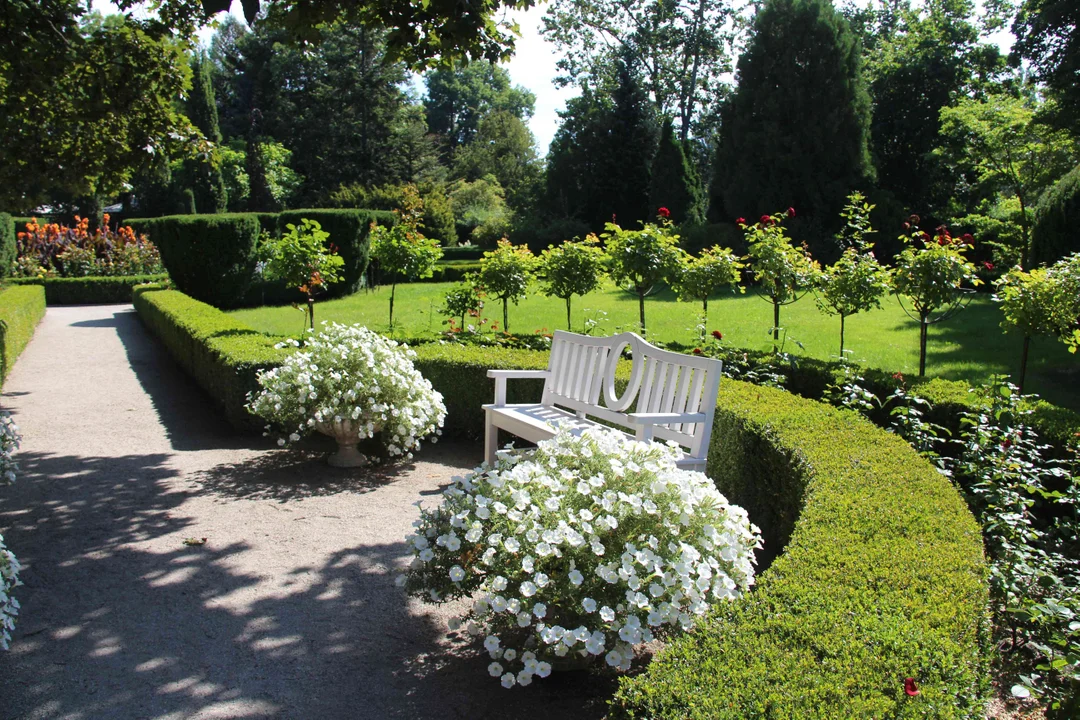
x: 505, y: 149
x: 796, y: 131
x: 506, y: 272
x: 90, y: 290
x: 674, y: 182
x: 573, y: 268
x: 222, y: 355
x: 480, y: 211
x: 639, y: 260
x: 869, y: 533
x: 8, y: 247
x: 438, y: 220
x: 461, y: 300
x: 1001, y: 141
x: 85, y: 102
x: 1032, y: 303
x: 701, y: 276
x: 205, y: 170
x: 210, y: 257
x: 459, y: 96
x: 402, y: 251
x: 301, y: 259
x: 1046, y: 37
x: 783, y: 271
x: 1057, y: 220
x: 855, y: 282
x: 21, y: 309
x: 349, y: 234
x: 283, y: 182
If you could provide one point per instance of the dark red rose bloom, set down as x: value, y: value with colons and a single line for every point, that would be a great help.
x: 718, y: 335
x: 898, y: 376
x: 925, y: 236
x: 944, y: 239
x: 967, y: 238
x: 663, y: 212
x: 988, y: 265
x: 910, y: 687
x: 765, y: 220
x: 697, y: 351
x: 914, y: 219
x: 740, y: 221
x: 791, y: 212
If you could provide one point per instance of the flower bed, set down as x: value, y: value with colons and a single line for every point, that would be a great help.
x: 21, y: 309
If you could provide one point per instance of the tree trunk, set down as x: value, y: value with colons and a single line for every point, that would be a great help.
x: 841, y: 337
x: 311, y: 311
x: 922, y: 345
x: 506, y: 318
x: 1026, y: 259
x: 568, y: 314
x: 1024, y: 362
x: 775, y: 325
x: 704, y: 316
x: 393, y: 289
x: 641, y: 312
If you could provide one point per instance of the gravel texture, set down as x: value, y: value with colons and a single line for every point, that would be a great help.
x: 289, y: 608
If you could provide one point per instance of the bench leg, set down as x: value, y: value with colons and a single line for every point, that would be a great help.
x: 491, y: 439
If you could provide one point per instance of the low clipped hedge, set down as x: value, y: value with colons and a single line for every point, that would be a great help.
x: 221, y: 354
x: 21, y: 309
x: 875, y: 568
x: 881, y: 577
x: 8, y: 248
x: 90, y: 290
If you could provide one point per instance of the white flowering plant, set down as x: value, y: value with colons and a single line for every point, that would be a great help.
x: 581, y: 549
x: 350, y: 376
x: 9, y: 564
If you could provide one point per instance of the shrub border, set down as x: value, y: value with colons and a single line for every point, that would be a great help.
x: 21, y: 309
x: 94, y: 290
x: 881, y: 577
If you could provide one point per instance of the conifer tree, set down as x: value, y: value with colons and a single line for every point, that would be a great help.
x: 631, y: 144
x: 204, y: 172
x: 674, y: 183
x: 796, y: 130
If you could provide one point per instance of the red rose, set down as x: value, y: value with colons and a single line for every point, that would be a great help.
x: 697, y: 351
x: 791, y: 212
x: 925, y: 236
x: 914, y: 219
x: 988, y: 265
x: 910, y: 688
x: 664, y: 212
x: 967, y: 238
x: 898, y: 376
x: 717, y: 334
x: 740, y: 221
x: 765, y: 220
x: 942, y: 240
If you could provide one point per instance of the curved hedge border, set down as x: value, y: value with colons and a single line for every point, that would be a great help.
x: 90, y: 290
x: 881, y: 574
x: 882, y: 577
x: 21, y: 309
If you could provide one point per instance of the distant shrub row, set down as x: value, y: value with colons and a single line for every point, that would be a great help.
x: 213, y: 258
x: 89, y: 290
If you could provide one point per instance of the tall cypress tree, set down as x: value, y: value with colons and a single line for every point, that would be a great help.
x: 631, y: 145
x: 674, y: 183
x: 796, y: 131
x: 204, y: 172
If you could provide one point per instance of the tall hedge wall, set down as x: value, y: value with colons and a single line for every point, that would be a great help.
x: 1057, y: 217
x: 878, y: 572
x: 8, y: 249
x: 21, y: 309
x: 349, y: 232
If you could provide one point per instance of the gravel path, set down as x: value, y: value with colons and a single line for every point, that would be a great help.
x: 288, y: 610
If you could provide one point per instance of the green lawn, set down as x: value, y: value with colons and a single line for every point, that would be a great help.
x: 970, y: 347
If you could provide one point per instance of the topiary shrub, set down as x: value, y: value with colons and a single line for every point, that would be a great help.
x: 1057, y: 217
x: 8, y: 249
x: 209, y: 257
x: 349, y: 231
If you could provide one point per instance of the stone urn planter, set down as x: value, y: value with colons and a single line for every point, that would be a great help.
x: 347, y: 435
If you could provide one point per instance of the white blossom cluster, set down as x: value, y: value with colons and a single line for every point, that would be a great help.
x: 583, y: 549
x: 347, y: 374
x: 9, y: 564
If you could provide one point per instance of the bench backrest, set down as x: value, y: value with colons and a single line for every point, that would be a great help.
x: 583, y: 370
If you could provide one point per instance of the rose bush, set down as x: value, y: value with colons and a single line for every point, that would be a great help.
x: 350, y: 374
x: 582, y: 549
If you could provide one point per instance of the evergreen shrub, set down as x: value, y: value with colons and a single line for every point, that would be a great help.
x: 1057, y: 219
x: 21, y: 308
x: 349, y: 231
x: 8, y: 249
x: 89, y: 290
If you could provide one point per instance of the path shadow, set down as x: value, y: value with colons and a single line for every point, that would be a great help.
x: 191, y: 419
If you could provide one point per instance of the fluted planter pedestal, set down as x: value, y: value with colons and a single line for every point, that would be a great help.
x: 347, y: 436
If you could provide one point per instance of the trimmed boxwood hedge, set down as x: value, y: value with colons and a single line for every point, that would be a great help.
x: 349, y: 233
x: 8, y: 248
x: 878, y: 572
x: 90, y: 290
x: 882, y: 577
x: 21, y: 309
x: 221, y: 354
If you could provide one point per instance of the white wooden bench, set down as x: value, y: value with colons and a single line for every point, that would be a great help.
x: 673, y: 395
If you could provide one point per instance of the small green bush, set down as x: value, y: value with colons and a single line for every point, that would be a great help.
x: 21, y: 309
x: 8, y: 249
x: 462, y: 252
x: 881, y: 578
x: 209, y: 257
x: 222, y: 355
x: 1057, y: 216
x: 89, y: 290
x: 349, y: 231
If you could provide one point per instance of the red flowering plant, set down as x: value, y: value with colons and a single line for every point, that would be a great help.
x: 933, y: 278
x: 55, y: 250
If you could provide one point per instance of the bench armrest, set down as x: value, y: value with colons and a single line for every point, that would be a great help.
x: 501, y: 376
x: 646, y: 421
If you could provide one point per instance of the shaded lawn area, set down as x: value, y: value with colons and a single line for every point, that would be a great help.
x: 971, y: 346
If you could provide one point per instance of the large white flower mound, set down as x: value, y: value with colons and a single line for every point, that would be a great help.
x: 586, y: 547
x: 351, y: 373
x: 9, y: 564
